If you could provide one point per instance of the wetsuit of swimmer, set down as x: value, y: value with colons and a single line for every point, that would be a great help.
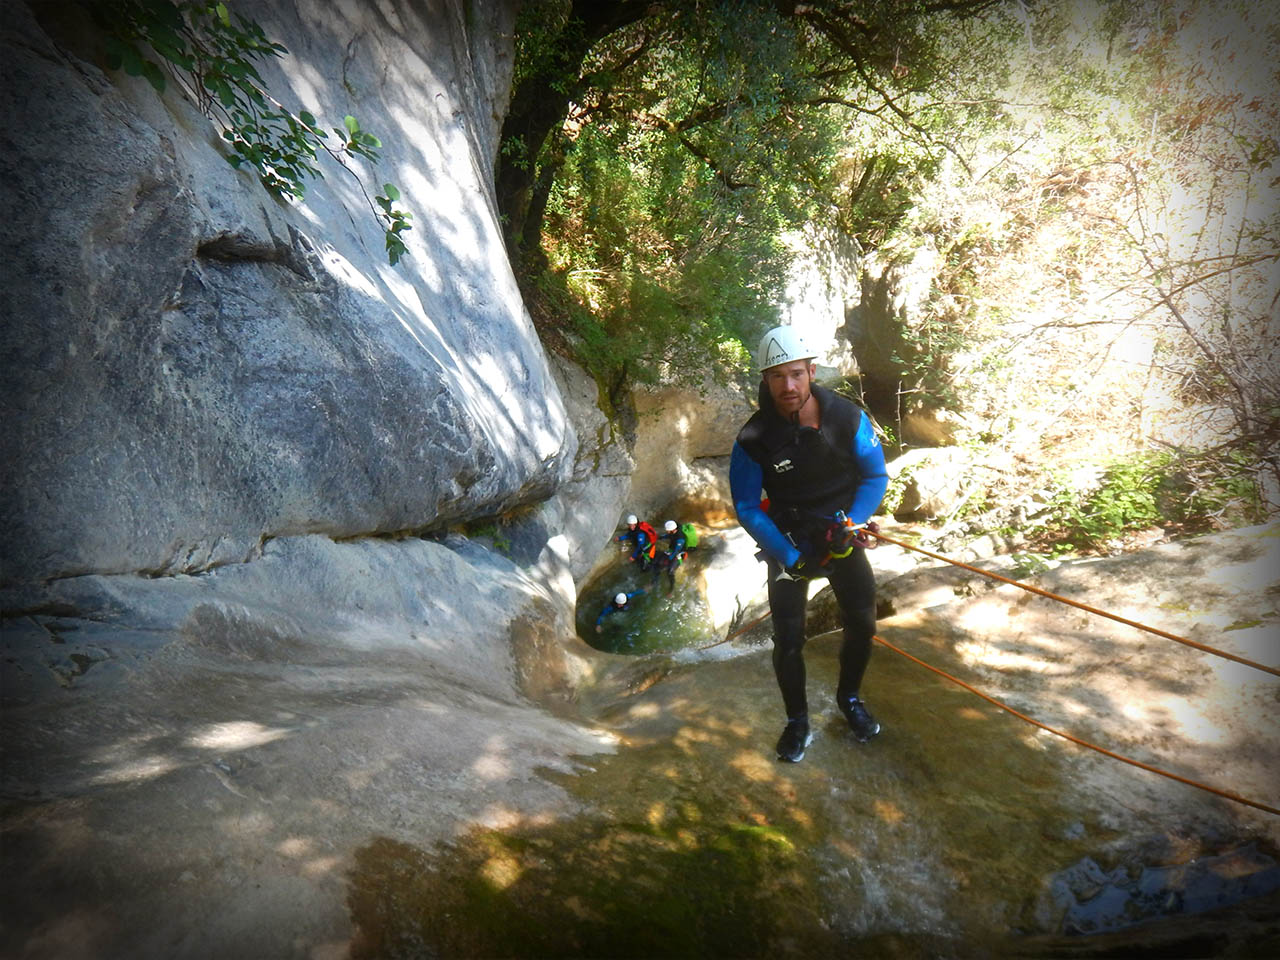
x: 814, y: 454
x: 674, y: 539
x: 643, y: 553
x: 620, y: 602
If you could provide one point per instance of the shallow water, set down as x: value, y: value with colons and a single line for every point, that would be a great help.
x: 954, y: 833
x: 1096, y: 901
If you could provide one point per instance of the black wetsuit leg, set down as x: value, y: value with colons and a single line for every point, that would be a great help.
x: 854, y: 585
x: 787, y: 599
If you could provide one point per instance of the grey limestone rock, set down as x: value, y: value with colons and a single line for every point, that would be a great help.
x: 193, y: 368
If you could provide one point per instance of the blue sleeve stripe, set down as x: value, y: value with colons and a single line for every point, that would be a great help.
x: 869, y: 456
x: 746, y: 485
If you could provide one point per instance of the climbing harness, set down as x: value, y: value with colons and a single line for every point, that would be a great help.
x: 1226, y: 794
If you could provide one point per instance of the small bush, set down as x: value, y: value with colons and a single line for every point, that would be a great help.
x: 1188, y: 492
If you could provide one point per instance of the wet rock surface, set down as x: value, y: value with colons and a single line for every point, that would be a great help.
x: 330, y: 799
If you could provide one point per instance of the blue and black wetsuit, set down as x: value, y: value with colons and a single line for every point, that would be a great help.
x: 674, y: 554
x: 642, y: 553
x: 810, y: 474
x: 611, y: 607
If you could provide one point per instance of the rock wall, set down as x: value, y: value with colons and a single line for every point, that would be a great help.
x: 682, y: 443
x: 825, y: 279
x: 194, y: 368
x: 237, y: 450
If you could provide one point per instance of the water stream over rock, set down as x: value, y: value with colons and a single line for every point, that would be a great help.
x: 405, y: 801
x: 669, y: 616
x: 959, y: 831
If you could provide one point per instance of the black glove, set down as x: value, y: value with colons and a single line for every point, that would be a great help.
x: 840, y: 538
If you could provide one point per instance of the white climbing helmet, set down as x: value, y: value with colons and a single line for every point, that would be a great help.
x: 620, y: 599
x: 782, y: 345
x: 669, y: 526
x: 631, y: 520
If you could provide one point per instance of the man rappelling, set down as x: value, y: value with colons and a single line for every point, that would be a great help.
x: 816, y: 457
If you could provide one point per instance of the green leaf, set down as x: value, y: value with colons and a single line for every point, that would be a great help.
x: 395, y: 248
x: 223, y: 14
x: 368, y: 139
x: 353, y: 127
x: 115, y: 53
x: 307, y: 118
x: 154, y: 75
x: 132, y: 61
x: 390, y: 190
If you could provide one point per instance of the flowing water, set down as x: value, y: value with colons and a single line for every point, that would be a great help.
x: 959, y: 831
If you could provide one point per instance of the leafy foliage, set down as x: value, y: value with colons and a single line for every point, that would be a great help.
x: 213, y: 53
x: 1200, y: 492
x: 1102, y: 246
x: 696, y: 137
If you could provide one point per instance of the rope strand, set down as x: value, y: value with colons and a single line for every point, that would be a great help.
x: 1084, y: 606
x: 1084, y: 743
x: 1226, y: 794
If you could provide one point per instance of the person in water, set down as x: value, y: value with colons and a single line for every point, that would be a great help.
x: 620, y: 602
x: 816, y: 457
x: 645, y: 539
x: 676, y: 545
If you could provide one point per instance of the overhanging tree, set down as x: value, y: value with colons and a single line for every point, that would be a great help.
x: 669, y: 144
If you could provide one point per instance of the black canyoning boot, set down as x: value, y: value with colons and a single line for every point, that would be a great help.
x: 861, y: 722
x: 795, y: 737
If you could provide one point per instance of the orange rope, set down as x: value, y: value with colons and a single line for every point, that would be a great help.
x: 1226, y: 794
x: 1083, y: 606
x: 1084, y: 743
x: 741, y: 630
x: 1036, y: 723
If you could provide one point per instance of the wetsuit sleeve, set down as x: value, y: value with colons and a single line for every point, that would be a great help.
x: 869, y: 456
x: 746, y: 484
x: 608, y: 609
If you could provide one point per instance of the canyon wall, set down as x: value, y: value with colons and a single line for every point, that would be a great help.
x: 195, y: 368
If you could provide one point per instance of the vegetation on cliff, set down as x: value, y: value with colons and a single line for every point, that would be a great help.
x: 1088, y: 189
x: 213, y: 52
